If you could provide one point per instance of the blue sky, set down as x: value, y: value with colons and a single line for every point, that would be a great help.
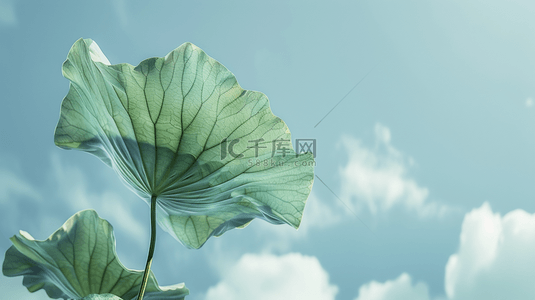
x: 433, y: 151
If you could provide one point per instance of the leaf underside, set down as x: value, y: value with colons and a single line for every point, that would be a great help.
x: 166, y: 127
x: 79, y: 260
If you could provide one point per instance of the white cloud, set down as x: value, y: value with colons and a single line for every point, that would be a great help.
x: 7, y: 13
x: 400, y: 288
x: 317, y: 215
x: 12, y: 186
x: 16, y: 195
x: 378, y: 178
x: 72, y: 189
x: 496, y: 257
x: 266, y: 277
x: 529, y: 102
x: 120, y: 9
x: 495, y: 261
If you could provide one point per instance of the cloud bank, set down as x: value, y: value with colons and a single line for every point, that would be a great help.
x: 496, y: 257
x: 318, y: 215
x: 495, y: 261
x: 74, y: 192
x: 12, y: 186
x: 378, y: 178
x: 400, y: 288
x: 267, y: 277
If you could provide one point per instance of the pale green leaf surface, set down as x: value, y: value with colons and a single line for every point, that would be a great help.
x: 78, y: 260
x: 160, y: 126
x: 101, y: 297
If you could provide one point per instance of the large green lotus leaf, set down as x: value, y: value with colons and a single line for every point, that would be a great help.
x: 181, y: 128
x: 79, y: 260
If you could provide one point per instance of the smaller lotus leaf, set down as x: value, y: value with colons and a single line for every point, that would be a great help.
x: 79, y: 260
